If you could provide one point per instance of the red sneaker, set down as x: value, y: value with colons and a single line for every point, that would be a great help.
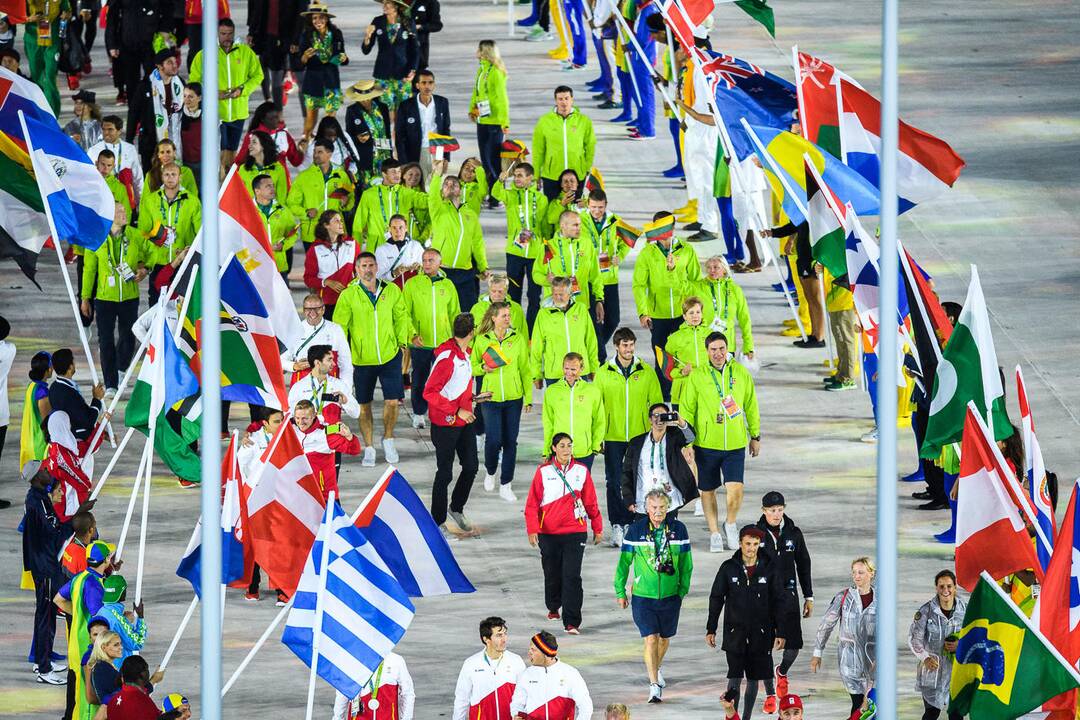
x: 781, y: 682
x: 553, y: 615
x: 87, y: 67
x: 282, y: 599
x: 253, y: 597
x: 186, y: 484
x: 770, y: 706
x: 571, y: 630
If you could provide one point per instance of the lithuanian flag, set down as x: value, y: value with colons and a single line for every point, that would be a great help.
x: 513, y: 150
x: 494, y: 358
x: 666, y: 363
x: 158, y: 233
x: 593, y: 181
x: 627, y: 232
x: 447, y: 143
x: 659, y: 229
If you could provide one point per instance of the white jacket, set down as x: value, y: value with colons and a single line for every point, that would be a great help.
x: 396, y: 695
x: 484, y: 686
x: 308, y: 388
x: 127, y: 157
x: 557, y: 692
x: 389, y: 258
x: 327, y: 332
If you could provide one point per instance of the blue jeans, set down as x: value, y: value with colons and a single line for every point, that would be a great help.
x: 502, y: 420
x: 606, y: 329
x: 519, y: 271
x: 617, y: 511
x: 421, y: 368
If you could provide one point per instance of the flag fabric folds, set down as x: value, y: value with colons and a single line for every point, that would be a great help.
x: 1003, y: 667
x: 400, y: 528
x: 759, y: 11
x: 864, y: 276
x: 594, y: 180
x: 1035, y: 472
x: 446, y: 142
x: 659, y: 229
x: 494, y: 358
x: 826, y: 216
x: 819, y: 112
x: 513, y: 150
x: 666, y: 362
x: 364, y: 611
x: 627, y: 232
x: 685, y: 15
x: 1057, y: 611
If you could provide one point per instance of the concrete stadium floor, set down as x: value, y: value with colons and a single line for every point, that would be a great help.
x: 1011, y: 113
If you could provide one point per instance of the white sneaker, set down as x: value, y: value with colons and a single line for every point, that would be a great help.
x: 618, y: 532
x: 123, y: 374
x: 489, y: 483
x: 390, y: 451
x: 660, y: 678
x: 698, y: 509
x: 655, y: 691
x: 53, y: 677
x: 507, y: 494
x: 418, y: 422
x: 716, y: 543
x: 731, y: 530
x: 110, y: 393
x: 369, y: 457
x: 870, y: 437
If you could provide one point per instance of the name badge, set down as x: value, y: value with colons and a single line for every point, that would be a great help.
x: 730, y: 408
x: 605, y: 262
x: 483, y: 108
x: 382, y: 143
x: 718, y: 324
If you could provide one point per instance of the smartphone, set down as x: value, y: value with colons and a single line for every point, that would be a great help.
x: 329, y: 397
x: 482, y: 397
x: 671, y: 417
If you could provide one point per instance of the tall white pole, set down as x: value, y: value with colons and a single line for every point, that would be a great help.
x: 145, y: 517
x: 148, y: 450
x: 327, y: 532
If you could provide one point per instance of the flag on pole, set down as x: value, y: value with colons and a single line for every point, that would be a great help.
x: 666, y: 362
x: 759, y: 11
x: 446, y: 142
x: 365, y: 611
x: 1004, y: 667
x: 930, y: 326
x: 659, y: 229
x: 400, y: 528
x: 593, y: 181
x: 826, y: 215
x: 683, y: 16
x: 513, y: 150
x: 819, y: 109
x: 968, y: 371
x: 1035, y: 472
x: 744, y: 90
x: 627, y: 232
x: 864, y: 276
x: 1057, y: 610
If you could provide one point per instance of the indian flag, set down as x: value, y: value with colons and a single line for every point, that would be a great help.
x: 659, y: 229
x: 627, y: 232
x: 446, y: 142
x: 826, y: 215
x: 494, y: 358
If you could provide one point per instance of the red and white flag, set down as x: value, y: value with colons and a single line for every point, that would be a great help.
x: 283, y: 510
x: 683, y: 16
x: 232, y: 475
x: 990, y: 534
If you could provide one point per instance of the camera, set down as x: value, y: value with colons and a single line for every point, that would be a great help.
x: 669, y: 417
x: 666, y: 567
x: 329, y: 397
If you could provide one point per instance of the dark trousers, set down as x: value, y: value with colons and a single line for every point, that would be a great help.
x: 932, y: 713
x: 467, y: 285
x: 544, y: 20
x: 606, y: 329
x: 85, y: 31
x: 116, y: 341
x: 152, y: 293
x: 502, y: 420
x: 560, y: 556
x: 479, y: 426
x: 45, y: 587
x: 421, y: 368
x: 86, y: 321
x: 586, y: 460
x: 661, y: 331
x: 450, y: 441
x: 489, y: 138
x: 130, y: 67
x: 617, y: 511
x: 932, y: 474
x: 519, y: 271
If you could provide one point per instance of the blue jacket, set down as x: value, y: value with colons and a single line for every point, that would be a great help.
x: 43, y: 536
x: 132, y: 637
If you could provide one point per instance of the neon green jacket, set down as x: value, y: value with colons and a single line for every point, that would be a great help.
x: 239, y: 68
x: 120, y: 195
x: 725, y: 300
x: 473, y: 193
x: 517, y: 314
x: 606, y: 245
x: 560, y: 143
x: 432, y: 305
x: 639, y: 551
x: 701, y: 405
x: 687, y: 344
x: 385, y: 320
x: 659, y: 292
x: 525, y: 210
x: 490, y: 87
x: 455, y: 232
x: 276, y: 172
x: 577, y: 410
x: 572, y: 258
x: 99, y: 267
x: 377, y: 205
x: 627, y: 399
x: 187, y: 181
x: 512, y: 381
x: 282, y: 228
x: 183, y: 214
x: 558, y: 332
x: 312, y: 190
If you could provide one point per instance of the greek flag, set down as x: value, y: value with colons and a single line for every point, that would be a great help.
x: 364, y: 612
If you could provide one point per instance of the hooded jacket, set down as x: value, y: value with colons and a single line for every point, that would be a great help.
x: 751, y: 605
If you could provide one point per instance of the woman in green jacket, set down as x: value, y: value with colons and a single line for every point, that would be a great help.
x: 412, y: 176
x: 723, y: 304
x: 501, y: 357
x: 687, y: 345
x: 165, y: 153
x: 489, y: 108
x: 262, y: 160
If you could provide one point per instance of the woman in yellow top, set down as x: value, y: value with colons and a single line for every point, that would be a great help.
x: 489, y: 108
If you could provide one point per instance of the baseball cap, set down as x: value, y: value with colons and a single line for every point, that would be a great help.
x: 173, y: 701
x: 114, y: 586
x: 772, y: 498
x: 752, y: 531
x: 790, y: 701
x: 97, y: 552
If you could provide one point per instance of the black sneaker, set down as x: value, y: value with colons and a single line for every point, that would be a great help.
x: 609, y: 105
x: 934, y: 505
x: 810, y: 342
x: 692, y: 227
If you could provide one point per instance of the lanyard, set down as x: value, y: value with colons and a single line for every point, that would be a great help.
x: 573, y: 261
x: 317, y: 393
x: 373, y: 296
x: 401, y: 253
x: 653, y: 452
x: 487, y: 661
x: 660, y: 540
x: 527, y: 208
x: 114, y: 258
x: 715, y: 299
x: 597, y: 233
x: 393, y: 204
x: 311, y: 337
x: 555, y: 466
x: 375, y: 685
x: 731, y: 380
x: 170, y: 209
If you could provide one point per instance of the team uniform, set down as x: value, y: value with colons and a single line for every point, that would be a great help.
x: 557, y: 692
x: 485, y: 686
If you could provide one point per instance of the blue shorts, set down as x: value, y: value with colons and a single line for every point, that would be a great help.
x: 656, y: 617
x: 388, y: 376
x: 717, y: 467
x: 231, y: 134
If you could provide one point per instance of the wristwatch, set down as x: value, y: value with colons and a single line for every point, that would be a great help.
x: 756, y: 438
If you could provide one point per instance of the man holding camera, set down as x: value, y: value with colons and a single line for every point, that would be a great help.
x: 328, y: 394
x: 658, y: 461
x: 658, y: 548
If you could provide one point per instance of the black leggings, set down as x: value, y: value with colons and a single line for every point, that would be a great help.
x: 750, y: 695
x: 788, y: 660
x: 932, y: 713
x: 856, y: 702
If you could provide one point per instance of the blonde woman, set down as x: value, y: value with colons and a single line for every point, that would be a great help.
x: 103, y: 672
x: 489, y: 108
x: 855, y: 611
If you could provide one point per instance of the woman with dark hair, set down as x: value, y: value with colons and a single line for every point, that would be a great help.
x: 1012, y: 449
x: 569, y: 194
x: 558, y: 512
x: 932, y: 638
x: 267, y: 118
x: 328, y: 265
x: 412, y: 177
x: 344, y: 155
x: 262, y: 159
x: 398, y: 55
x: 165, y: 153
x: 322, y: 52
x: 36, y: 407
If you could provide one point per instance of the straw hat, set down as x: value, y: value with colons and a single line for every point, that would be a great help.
x: 402, y: 3
x: 318, y: 8
x: 363, y: 90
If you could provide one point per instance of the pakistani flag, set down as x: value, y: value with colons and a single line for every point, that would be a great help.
x: 827, y: 234
x: 760, y: 11
x: 165, y: 399
x: 1003, y: 667
x: 968, y: 372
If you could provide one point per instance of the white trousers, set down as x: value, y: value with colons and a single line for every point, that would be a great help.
x: 699, y: 163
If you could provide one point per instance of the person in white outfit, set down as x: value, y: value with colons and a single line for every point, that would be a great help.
x: 387, y: 695
x: 700, y: 156
x: 317, y: 330
x: 550, y: 688
x: 330, y: 395
x: 488, y: 679
x: 128, y: 167
x: 399, y: 258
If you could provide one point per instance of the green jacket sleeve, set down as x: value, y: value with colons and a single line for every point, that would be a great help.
x: 750, y: 406
x: 540, y: 270
x: 343, y: 314
x: 436, y: 204
x: 653, y: 393
x: 549, y: 422
x: 359, y: 223
x: 596, y: 284
x: 688, y: 401
x: 285, y: 223
x: 536, y: 352
x: 479, y: 252
x: 539, y: 147
x: 195, y: 75
x: 482, y: 183
x: 499, y: 192
x: 599, y: 421
x: 254, y: 74
x: 686, y: 570
x: 622, y: 572
x: 496, y: 92
x: 742, y: 315
x: 592, y: 356
x: 402, y: 322
x: 640, y: 284
x: 295, y: 199
x: 478, y: 348
x: 89, y: 274
x: 590, y: 145
x: 525, y: 370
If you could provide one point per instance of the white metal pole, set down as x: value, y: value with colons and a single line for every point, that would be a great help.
x: 327, y: 533
x: 179, y: 633
x: 147, y: 451
x: 145, y: 517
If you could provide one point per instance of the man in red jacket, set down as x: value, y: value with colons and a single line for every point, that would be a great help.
x: 133, y: 701
x: 321, y: 442
x: 449, y: 395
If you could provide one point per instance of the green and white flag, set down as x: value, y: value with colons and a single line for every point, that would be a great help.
x: 826, y: 215
x: 968, y: 372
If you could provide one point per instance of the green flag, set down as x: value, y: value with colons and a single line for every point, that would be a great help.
x: 968, y: 372
x: 1003, y: 668
x: 761, y: 12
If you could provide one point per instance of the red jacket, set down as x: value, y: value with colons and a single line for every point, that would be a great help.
x: 132, y: 703
x: 450, y: 385
x: 320, y: 443
x: 193, y: 11
x: 549, y: 508
x: 323, y: 262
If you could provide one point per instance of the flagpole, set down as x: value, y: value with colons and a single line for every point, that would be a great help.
x: 257, y: 646
x: 210, y: 342
x: 327, y: 532
x: 179, y: 632
x: 145, y: 517
x: 888, y: 373
x: 644, y: 61
x: 147, y: 449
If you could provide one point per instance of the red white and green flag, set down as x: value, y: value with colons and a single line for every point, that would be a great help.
x: 627, y: 232
x: 819, y: 108
x: 446, y: 142
x: 825, y: 214
x: 494, y: 358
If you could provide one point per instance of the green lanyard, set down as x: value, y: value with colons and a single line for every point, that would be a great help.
x: 716, y: 309
x: 375, y: 685
x: 170, y: 210
x: 597, y: 233
x: 114, y: 258
x: 555, y: 466
x: 731, y: 380
x: 317, y: 391
x: 528, y: 199
x: 573, y: 261
x: 654, y: 446
x: 393, y: 203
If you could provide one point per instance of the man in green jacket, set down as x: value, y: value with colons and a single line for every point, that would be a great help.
x: 561, y: 328
x: 431, y: 302
x: 239, y: 74
x: 281, y: 225
x: 456, y: 233
x: 720, y: 402
x: 169, y: 219
x: 525, y: 209
x: 373, y: 315
x: 317, y: 189
x: 663, y: 272
x: 574, y: 406
x: 379, y: 203
x: 569, y: 255
x: 598, y: 226
x: 563, y: 139
x: 498, y: 292
x: 112, y: 274
x: 106, y: 164
x: 629, y: 388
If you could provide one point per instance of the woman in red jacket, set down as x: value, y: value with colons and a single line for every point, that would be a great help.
x: 561, y: 505
x: 329, y: 262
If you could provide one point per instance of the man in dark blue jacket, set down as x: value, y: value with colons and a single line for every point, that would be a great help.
x: 418, y: 116
x: 64, y: 395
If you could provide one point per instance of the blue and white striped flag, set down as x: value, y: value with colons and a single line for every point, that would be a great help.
x: 81, y: 204
x: 365, y: 610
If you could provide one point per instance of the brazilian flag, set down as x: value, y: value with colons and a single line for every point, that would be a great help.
x: 1003, y: 668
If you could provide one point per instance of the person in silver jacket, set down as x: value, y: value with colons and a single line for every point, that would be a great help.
x: 940, y: 618
x: 855, y: 611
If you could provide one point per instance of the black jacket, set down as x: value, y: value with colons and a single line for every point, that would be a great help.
x: 679, y: 471
x: 83, y: 416
x: 408, y: 129
x: 791, y: 551
x: 394, y: 60
x: 355, y: 126
x: 427, y: 17
x: 141, y: 128
x: 750, y: 605
x: 131, y: 24
x: 43, y: 535
x: 288, y: 28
